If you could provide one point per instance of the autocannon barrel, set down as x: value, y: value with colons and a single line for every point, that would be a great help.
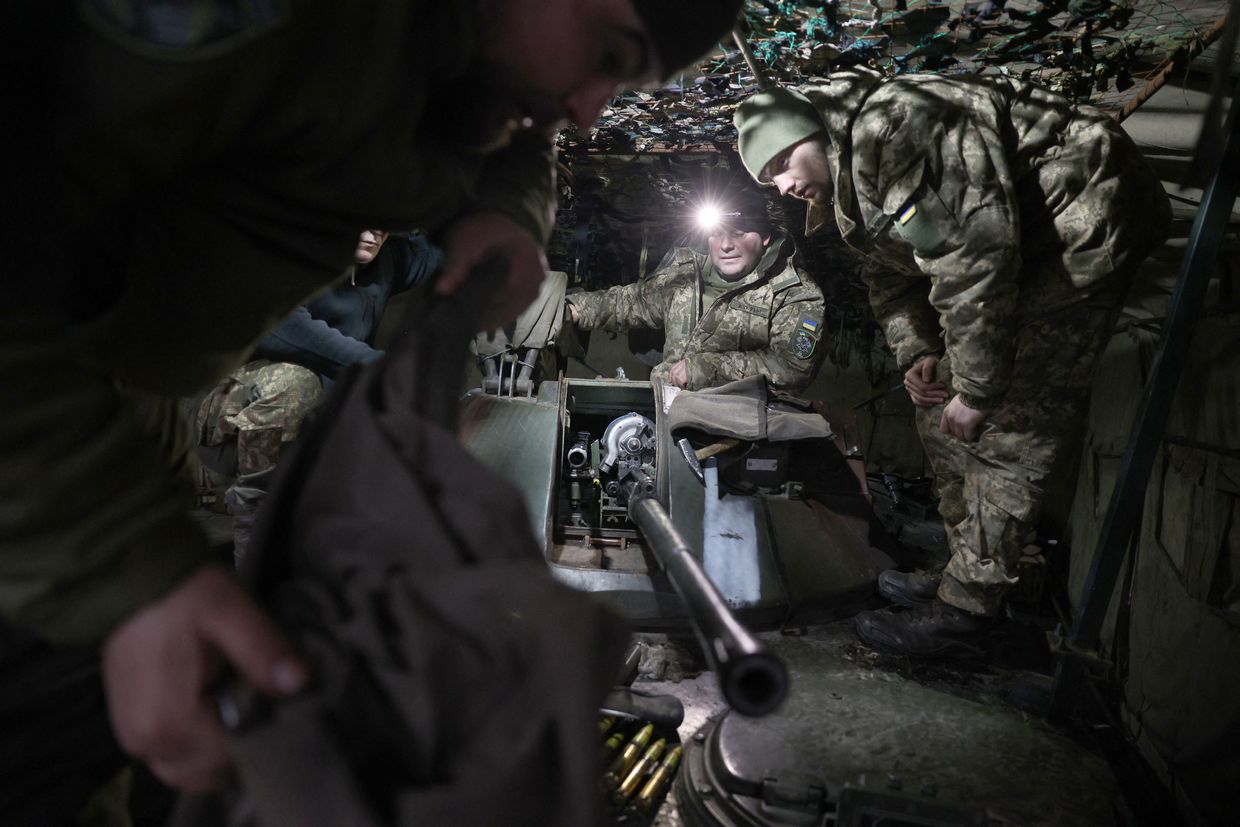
x: 753, y: 681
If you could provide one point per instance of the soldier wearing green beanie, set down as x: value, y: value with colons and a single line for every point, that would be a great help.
x: 1000, y: 225
x: 770, y: 122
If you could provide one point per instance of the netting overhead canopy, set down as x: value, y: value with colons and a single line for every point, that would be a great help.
x: 1110, y: 53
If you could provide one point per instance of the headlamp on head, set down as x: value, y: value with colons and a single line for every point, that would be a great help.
x: 712, y: 217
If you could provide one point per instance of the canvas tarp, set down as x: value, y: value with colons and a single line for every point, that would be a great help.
x: 455, y: 681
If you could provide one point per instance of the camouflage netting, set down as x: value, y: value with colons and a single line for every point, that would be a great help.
x: 627, y: 187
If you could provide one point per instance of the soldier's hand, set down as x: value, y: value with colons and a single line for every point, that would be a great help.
x: 678, y: 375
x: 961, y: 421
x: 479, y: 237
x: 159, y: 665
x: 920, y: 383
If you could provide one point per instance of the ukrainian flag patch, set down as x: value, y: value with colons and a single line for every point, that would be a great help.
x: 804, y: 338
x: 923, y: 224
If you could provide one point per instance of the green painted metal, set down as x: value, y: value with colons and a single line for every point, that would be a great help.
x: 519, y: 440
x: 807, y: 554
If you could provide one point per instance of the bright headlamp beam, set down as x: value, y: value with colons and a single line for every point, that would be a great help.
x: 709, y: 216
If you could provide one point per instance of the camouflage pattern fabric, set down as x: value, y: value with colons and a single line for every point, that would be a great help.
x: 260, y: 407
x: 991, y: 490
x: 769, y: 323
x: 960, y: 179
x: 1000, y: 224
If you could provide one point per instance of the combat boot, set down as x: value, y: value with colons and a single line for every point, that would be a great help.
x: 908, y: 588
x: 933, y: 629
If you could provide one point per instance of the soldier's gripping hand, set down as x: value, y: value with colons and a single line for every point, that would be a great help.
x: 159, y: 665
x: 678, y: 374
x: 479, y: 237
x: 961, y: 421
x: 921, y: 386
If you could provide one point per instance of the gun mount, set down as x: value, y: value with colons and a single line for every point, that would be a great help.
x: 753, y: 681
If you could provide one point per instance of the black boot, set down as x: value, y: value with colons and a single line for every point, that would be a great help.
x: 908, y: 588
x: 930, y: 630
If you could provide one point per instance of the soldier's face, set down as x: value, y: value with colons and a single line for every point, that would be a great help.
x: 736, y: 252
x: 368, y: 245
x: 802, y: 171
x: 547, y: 63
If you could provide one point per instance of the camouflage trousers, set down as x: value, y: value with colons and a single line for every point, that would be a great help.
x: 991, y: 490
x: 242, y: 426
x: 245, y: 421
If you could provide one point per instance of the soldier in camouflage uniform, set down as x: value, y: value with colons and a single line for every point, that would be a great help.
x: 244, y: 423
x: 744, y: 310
x: 1000, y: 225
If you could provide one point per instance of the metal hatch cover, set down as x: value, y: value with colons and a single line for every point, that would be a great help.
x: 711, y: 792
x: 859, y: 746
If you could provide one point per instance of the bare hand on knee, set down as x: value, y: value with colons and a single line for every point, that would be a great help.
x: 159, y: 665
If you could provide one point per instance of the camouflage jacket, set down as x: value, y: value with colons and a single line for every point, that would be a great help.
x: 980, y: 183
x: 215, y: 175
x: 768, y: 323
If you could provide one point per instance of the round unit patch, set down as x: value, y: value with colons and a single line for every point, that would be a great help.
x: 803, y: 344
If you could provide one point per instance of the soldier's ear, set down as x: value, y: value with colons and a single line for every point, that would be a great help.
x: 766, y: 240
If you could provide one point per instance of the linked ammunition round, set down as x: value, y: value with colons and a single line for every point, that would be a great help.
x: 638, y: 773
x: 612, y: 743
x: 625, y: 760
x: 653, y: 790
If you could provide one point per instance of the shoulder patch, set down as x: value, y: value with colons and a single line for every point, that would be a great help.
x: 902, y: 191
x: 924, y: 222
x: 182, y: 30
x: 805, y: 338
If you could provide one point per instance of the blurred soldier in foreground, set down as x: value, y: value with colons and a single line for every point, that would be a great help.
x: 196, y: 171
x: 745, y: 310
x: 1001, y: 225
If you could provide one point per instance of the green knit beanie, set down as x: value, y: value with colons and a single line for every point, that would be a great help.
x: 682, y: 30
x: 769, y: 122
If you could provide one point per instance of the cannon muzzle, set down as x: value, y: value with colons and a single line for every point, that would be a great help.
x: 753, y: 681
